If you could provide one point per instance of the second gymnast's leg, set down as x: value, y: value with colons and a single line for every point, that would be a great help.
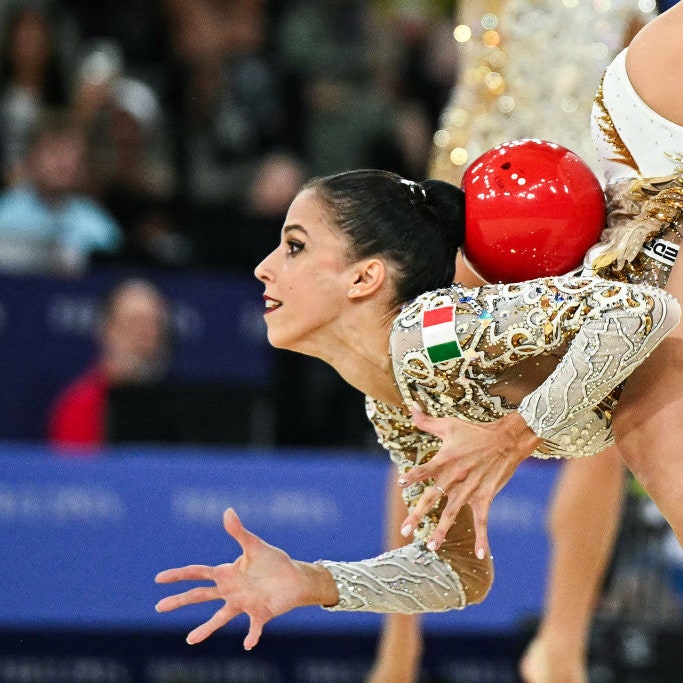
x: 583, y: 521
x: 648, y: 422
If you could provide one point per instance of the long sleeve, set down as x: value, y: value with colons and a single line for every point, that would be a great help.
x: 556, y: 349
x: 623, y: 326
x: 413, y: 578
x: 408, y: 579
x: 599, y: 330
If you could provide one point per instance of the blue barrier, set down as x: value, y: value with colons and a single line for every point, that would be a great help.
x: 82, y: 538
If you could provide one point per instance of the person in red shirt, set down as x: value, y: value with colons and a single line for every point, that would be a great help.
x: 134, y: 347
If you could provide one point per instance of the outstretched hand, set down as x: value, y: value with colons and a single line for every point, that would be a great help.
x: 263, y: 582
x: 473, y: 464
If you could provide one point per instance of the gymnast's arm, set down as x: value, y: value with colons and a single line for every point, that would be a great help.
x: 264, y: 582
x: 613, y: 326
x: 622, y: 326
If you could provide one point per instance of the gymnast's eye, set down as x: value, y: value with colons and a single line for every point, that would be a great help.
x: 294, y: 247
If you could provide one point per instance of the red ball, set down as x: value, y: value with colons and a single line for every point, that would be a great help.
x: 532, y: 208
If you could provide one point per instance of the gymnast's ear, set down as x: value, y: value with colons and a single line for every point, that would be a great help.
x: 367, y: 277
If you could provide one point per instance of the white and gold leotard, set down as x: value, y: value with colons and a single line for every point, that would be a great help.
x: 641, y: 154
x: 584, y: 335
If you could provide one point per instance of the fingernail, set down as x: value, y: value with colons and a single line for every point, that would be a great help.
x: 402, y: 482
x: 432, y: 545
x: 156, y: 607
x: 188, y: 641
x: 406, y: 529
x: 481, y: 553
x: 416, y: 407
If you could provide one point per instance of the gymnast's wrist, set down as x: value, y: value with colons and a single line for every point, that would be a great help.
x: 519, y: 433
x: 320, y: 587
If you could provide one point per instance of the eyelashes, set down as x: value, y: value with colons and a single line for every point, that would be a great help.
x: 294, y: 247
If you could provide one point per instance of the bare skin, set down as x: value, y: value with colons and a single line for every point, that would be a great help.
x: 658, y: 382
x: 312, y: 302
x: 321, y: 302
x: 263, y: 583
x: 583, y: 527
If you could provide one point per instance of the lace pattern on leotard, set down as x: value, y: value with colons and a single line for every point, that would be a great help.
x: 450, y: 578
x: 411, y: 579
x: 606, y: 329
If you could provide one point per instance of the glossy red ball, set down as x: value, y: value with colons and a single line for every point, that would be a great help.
x: 533, y: 208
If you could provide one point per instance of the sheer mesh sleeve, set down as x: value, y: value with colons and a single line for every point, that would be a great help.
x: 413, y: 578
x: 624, y: 325
x: 409, y: 579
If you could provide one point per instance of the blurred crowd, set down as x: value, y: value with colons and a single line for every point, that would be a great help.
x: 167, y: 134
x: 174, y: 134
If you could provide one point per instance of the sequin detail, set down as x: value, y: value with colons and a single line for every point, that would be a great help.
x: 603, y: 121
x: 411, y: 579
x: 597, y: 331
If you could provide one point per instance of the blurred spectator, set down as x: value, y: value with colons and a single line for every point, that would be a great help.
x: 133, y: 173
x: 230, y: 123
x: 135, y: 25
x: 414, y: 58
x: 251, y: 228
x: 47, y: 223
x: 346, y: 117
x: 134, y: 343
x: 346, y: 65
x: 32, y: 76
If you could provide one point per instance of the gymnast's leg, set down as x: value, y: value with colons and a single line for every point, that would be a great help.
x: 648, y: 422
x: 583, y: 521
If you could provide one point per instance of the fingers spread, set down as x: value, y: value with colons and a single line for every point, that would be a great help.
x: 427, y: 501
x: 448, y: 515
x: 424, y: 422
x: 255, y: 631
x: 233, y: 525
x: 418, y: 473
x: 192, y: 572
x: 190, y: 597
x: 220, y: 618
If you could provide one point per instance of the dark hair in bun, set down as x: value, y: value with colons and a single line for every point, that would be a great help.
x: 418, y: 226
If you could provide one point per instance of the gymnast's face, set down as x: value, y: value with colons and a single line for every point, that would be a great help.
x: 308, y: 278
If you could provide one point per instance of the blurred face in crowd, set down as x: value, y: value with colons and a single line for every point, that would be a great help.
x: 31, y: 43
x: 135, y: 334
x: 57, y: 163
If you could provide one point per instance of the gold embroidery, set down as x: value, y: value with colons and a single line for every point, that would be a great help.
x: 609, y: 132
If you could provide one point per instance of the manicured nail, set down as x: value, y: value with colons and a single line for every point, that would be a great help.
x: 406, y: 529
x: 402, y: 482
x: 156, y: 607
x: 432, y: 545
x: 188, y: 641
x: 415, y: 407
x: 481, y: 553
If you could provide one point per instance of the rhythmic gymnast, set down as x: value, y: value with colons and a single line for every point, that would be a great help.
x: 362, y: 279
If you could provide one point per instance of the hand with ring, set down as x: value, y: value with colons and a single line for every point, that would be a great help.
x: 473, y: 464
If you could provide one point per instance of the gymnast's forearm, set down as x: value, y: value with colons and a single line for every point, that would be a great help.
x: 604, y: 352
x: 408, y: 580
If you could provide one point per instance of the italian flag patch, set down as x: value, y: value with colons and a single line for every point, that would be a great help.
x: 438, y: 334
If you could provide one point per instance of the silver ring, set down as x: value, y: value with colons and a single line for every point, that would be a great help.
x: 443, y: 493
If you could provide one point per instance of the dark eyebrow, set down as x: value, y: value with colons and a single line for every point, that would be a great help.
x: 294, y: 226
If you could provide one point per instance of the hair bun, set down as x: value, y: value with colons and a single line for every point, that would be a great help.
x: 448, y: 203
